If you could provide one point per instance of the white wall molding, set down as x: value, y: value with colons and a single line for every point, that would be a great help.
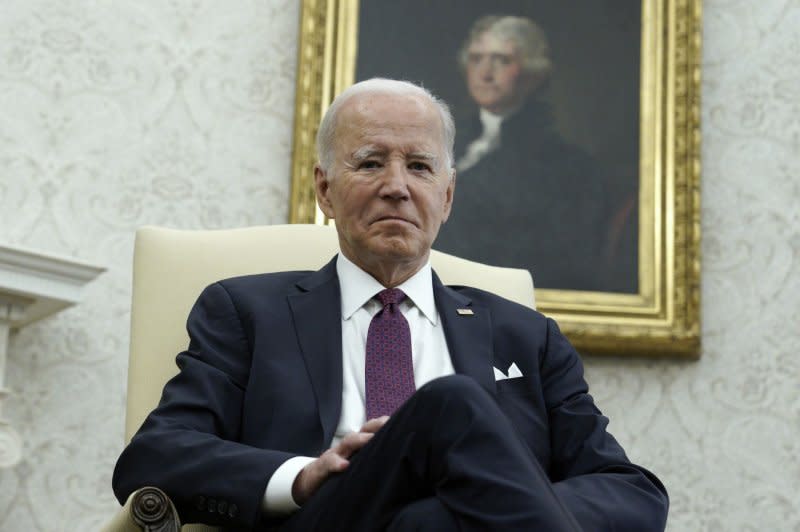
x: 33, y: 285
x: 39, y: 283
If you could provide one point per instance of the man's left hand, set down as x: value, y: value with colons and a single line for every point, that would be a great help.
x: 334, y: 460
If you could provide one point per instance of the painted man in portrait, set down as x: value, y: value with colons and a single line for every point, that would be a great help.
x: 526, y: 197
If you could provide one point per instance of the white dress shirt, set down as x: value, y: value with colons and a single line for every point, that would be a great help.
x: 429, y: 353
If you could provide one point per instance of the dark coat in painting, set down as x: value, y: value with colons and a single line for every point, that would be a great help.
x: 536, y: 202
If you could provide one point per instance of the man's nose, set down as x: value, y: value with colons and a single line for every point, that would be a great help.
x: 486, y: 69
x: 394, y: 181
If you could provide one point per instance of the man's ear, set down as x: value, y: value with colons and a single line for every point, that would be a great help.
x: 322, y: 189
x: 448, y: 200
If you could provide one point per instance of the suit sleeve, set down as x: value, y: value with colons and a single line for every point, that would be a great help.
x: 187, y: 445
x: 591, y: 473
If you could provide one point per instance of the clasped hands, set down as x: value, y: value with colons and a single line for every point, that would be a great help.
x: 334, y: 460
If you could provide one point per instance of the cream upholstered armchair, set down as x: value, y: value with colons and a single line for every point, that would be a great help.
x: 170, y: 270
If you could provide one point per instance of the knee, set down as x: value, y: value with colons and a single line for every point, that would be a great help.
x: 454, y: 390
x: 452, y: 386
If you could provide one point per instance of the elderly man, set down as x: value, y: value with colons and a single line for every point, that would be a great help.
x: 363, y: 396
x: 517, y: 171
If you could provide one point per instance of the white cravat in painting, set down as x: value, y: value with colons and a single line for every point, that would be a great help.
x: 483, y: 145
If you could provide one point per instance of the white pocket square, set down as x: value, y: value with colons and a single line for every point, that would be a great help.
x: 513, y: 372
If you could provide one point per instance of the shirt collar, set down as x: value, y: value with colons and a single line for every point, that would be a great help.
x: 357, y: 287
x: 490, y: 121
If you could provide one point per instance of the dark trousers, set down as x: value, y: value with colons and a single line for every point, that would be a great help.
x: 448, y: 459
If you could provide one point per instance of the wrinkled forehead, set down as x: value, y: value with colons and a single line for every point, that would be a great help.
x: 386, y: 107
x: 406, y: 119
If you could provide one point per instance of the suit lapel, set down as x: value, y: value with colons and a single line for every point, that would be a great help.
x: 318, y: 325
x: 469, y: 336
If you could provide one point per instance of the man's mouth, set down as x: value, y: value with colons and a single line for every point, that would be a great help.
x: 393, y: 219
x: 489, y: 88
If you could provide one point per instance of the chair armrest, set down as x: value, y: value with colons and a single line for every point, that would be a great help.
x: 147, y: 509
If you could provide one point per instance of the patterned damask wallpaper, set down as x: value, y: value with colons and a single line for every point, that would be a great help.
x: 179, y: 113
x: 115, y: 115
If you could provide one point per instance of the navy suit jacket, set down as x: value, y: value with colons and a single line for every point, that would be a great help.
x: 261, y: 382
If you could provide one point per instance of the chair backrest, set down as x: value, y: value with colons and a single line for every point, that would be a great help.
x: 172, y: 267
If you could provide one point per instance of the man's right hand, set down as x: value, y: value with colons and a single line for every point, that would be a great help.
x: 334, y: 460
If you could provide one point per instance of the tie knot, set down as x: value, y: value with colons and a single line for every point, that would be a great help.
x: 391, y: 296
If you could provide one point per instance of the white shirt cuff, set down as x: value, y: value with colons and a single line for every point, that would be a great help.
x: 278, y: 498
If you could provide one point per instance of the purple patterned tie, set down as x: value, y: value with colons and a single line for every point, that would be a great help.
x: 389, y: 369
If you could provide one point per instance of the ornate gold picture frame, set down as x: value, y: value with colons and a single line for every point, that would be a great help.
x: 661, y: 315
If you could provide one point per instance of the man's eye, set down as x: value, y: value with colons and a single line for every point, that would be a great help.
x: 368, y: 165
x: 419, y: 167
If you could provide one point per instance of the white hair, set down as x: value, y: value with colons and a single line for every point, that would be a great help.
x: 527, y: 36
x: 326, y: 135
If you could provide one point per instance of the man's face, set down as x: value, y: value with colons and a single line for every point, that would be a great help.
x: 496, y: 78
x: 389, y: 188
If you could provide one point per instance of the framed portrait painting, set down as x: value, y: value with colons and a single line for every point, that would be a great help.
x: 577, y: 145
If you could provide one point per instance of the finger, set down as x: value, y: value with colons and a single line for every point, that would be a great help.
x: 320, y: 469
x: 351, y: 443
x: 332, y: 461
x: 373, y: 425
x: 313, y: 475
